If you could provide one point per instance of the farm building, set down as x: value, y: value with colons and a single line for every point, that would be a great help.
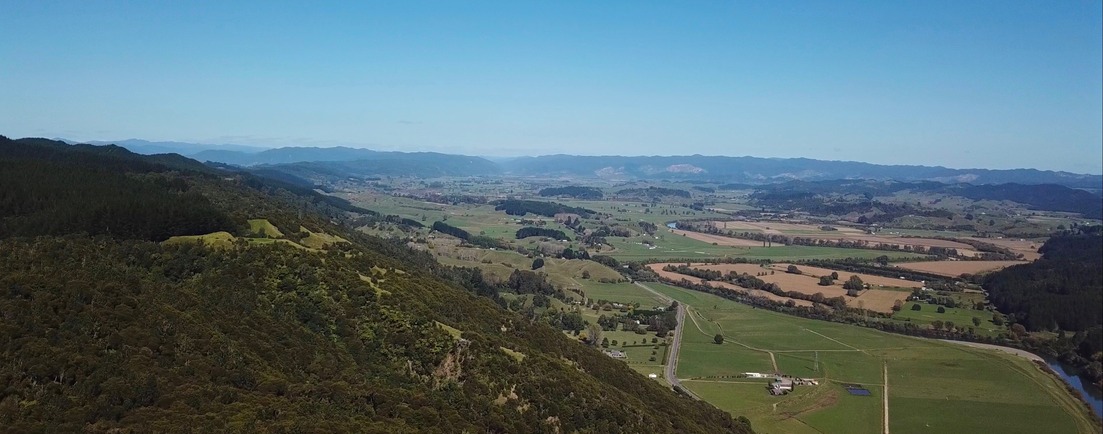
x: 755, y: 375
x: 782, y: 384
x: 616, y: 354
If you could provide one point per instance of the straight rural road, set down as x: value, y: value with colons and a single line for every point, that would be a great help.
x: 885, y: 398
x: 675, y: 344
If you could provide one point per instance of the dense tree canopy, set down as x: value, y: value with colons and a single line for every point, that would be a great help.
x: 577, y: 192
x: 1063, y: 290
x: 115, y: 333
x: 547, y: 209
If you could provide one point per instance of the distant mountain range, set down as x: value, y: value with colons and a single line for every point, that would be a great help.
x: 755, y: 170
x: 341, y: 162
x: 146, y: 147
x: 1049, y: 197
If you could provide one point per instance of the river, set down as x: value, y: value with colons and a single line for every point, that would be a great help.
x: 1090, y: 393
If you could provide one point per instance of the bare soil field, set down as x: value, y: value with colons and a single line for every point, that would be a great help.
x: 719, y: 240
x: 880, y: 300
x: 844, y: 275
x: 1028, y: 248
x: 957, y: 268
x: 658, y: 269
x: 807, y: 283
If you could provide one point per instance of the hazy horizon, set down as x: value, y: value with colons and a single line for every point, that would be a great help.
x: 260, y: 148
x: 977, y: 85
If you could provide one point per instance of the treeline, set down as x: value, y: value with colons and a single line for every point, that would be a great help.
x: 446, y: 228
x: 878, y: 267
x: 547, y: 209
x: 577, y: 192
x: 654, y: 192
x: 541, y: 232
x: 477, y: 240
x: 944, y: 252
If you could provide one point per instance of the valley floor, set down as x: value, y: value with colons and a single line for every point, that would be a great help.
x: 936, y: 386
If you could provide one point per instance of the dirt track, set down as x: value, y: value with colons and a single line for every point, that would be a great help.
x: 1021, y: 353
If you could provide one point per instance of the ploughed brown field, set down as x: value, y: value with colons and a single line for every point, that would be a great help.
x: 876, y: 298
x: 957, y: 268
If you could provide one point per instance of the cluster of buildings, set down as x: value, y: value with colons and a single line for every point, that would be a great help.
x: 782, y: 384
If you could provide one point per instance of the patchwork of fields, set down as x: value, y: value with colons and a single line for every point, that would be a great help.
x: 881, y: 297
x: 919, y: 385
x: 841, y: 233
x: 932, y: 386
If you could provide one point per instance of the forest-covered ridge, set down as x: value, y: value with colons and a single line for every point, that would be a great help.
x: 110, y: 330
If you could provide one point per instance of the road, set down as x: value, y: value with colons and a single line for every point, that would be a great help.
x: 671, y: 368
x: 885, y: 398
x: 1021, y: 353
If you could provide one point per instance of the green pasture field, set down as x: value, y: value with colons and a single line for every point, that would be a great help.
x: 934, y: 386
x: 621, y: 292
x: 958, y: 315
x: 563, y: 273
x: 264, y: 228
x: 636, y: 211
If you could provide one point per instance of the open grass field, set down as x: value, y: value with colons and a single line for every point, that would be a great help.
x: 933, y: 386
x: 264, y: 228
x: 215, y: 239
x: 960, y: 316
x: 499, y: 264
x: 626, y: 293
x: 957, y: 268
x: 717, y: 239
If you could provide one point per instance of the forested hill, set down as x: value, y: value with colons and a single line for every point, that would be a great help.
x: 1063, y: 290
x: 108, y: 329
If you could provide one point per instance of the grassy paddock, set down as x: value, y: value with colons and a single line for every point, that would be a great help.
x: 933, y: 386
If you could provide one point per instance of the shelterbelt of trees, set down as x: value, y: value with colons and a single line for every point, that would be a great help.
x: 109, y: 330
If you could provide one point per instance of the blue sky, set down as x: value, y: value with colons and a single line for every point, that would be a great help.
x: 961, y: 84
